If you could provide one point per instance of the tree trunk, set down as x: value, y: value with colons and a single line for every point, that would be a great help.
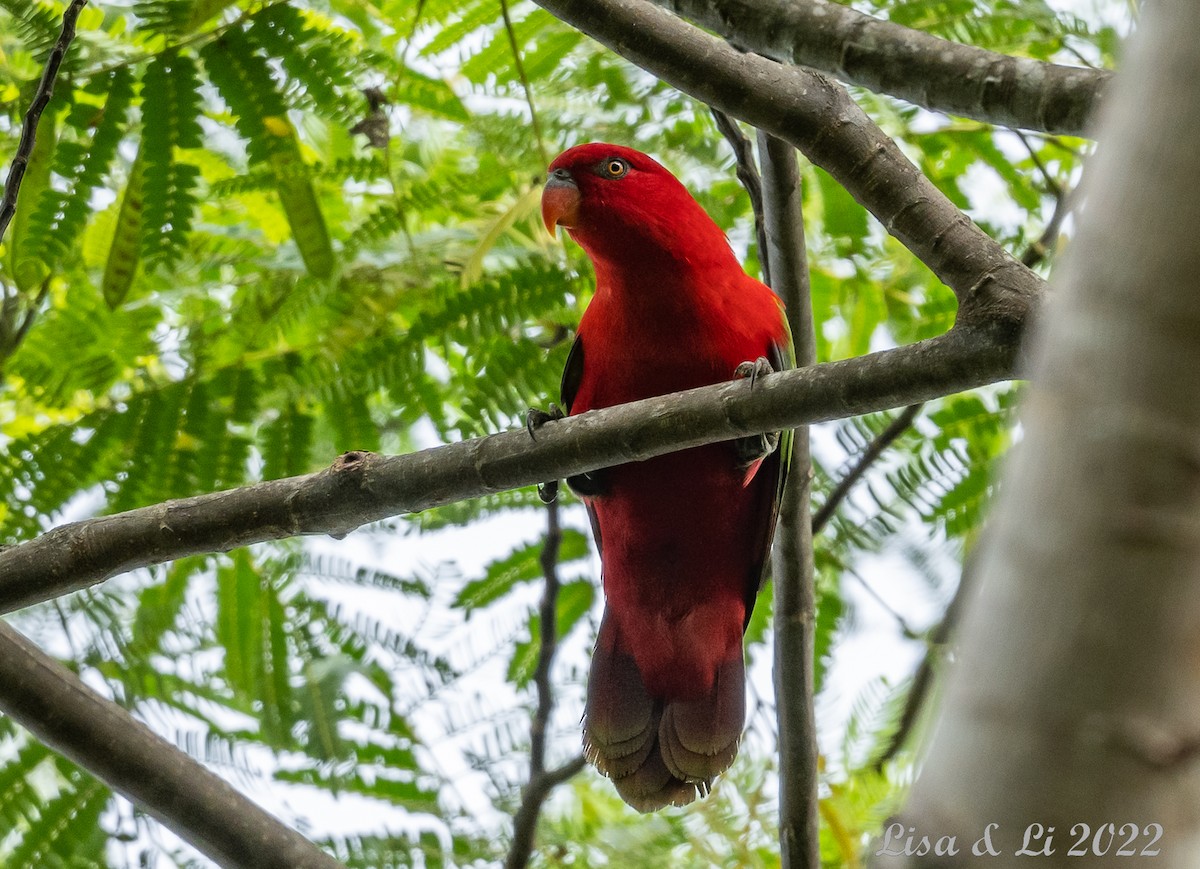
x: 1076, y: 699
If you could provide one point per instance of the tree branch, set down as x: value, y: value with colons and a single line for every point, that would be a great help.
x: 534, y: 794
x: 363, y: 487
x: 922, y: 682
x: 1041, y: 247
x: 548, y: 619
x: 792, y: 565
x: 45, y: 90
x: 540, y: 784
x: 887, y: 58
x: 819, y: 118
x: 60, y: 711
x: 747, y: 173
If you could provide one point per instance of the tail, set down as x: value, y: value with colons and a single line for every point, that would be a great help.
x: 658, y: 753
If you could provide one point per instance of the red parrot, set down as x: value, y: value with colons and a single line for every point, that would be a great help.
x: 683, y: 538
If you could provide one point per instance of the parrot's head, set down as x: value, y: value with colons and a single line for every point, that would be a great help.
x: 621, y: 205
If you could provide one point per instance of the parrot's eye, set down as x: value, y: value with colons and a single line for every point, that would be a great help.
x: 613, y: 167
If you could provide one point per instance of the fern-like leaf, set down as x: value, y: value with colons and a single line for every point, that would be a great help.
x: 75, y: 807
x: 244, y: 79
x: 124, y: 254
x: 171, y: 108
x: 177, y: 17
x: 36, y: 24
x: 61, y: 214
x: 250, y: 627
x: 317, y: 58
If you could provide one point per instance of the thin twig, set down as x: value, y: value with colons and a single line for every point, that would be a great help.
x: 10, y: 343
x: 905, y: 628
x: 548, y: 613
x: 873, y: 451
x: 747, y: 173
x: 520, y: 65
x: 45, y: 90
x: 541, y: 782
x: 922, y: 680
x: 30, y: 316
x: 1037, y: 251
x: 1050, y: 180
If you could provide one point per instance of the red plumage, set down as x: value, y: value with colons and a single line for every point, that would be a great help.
x: 683, y: 537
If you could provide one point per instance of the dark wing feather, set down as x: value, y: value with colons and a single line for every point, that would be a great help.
x: 582, y: 484
x: 782, y: 357
x: 572, y: 375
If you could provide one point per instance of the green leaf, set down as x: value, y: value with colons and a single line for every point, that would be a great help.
x: 574, y: 602
x: 318, y: 58
x: 36, y: 24
x: 75, y: 809
x: 519, y: 566
x: 171, y: 110
x: 431, y: 95
x: 124, y: 254
x: 250, y: 628
x: 61, y: 214
x: 244, y: 80
x: 27, y: 269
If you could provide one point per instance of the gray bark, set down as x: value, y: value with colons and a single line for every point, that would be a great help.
x: 64, y: 714
x: 792, y: 564
x: 1076, y: 699
x: 364, y: 487
x: 887, y: 58
x: 818, y: 117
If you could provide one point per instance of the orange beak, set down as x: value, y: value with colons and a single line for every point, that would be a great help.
x: 560, y: 201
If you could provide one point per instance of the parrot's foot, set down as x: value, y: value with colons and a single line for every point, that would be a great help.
x: 535, y: 419
x: 760, y: 367
x: 754, y: 448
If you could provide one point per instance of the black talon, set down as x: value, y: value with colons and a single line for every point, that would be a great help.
x: 753, y: 448
x: 535, y: 419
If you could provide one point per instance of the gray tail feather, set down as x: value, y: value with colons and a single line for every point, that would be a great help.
x: 658, y: 753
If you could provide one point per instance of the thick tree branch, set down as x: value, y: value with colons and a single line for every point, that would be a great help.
x: 41, y: 98
x: 817, y: 116
x: 203, y: 809
x: 887, y: 58
x: 792, y: 565
x: 363, y: 487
